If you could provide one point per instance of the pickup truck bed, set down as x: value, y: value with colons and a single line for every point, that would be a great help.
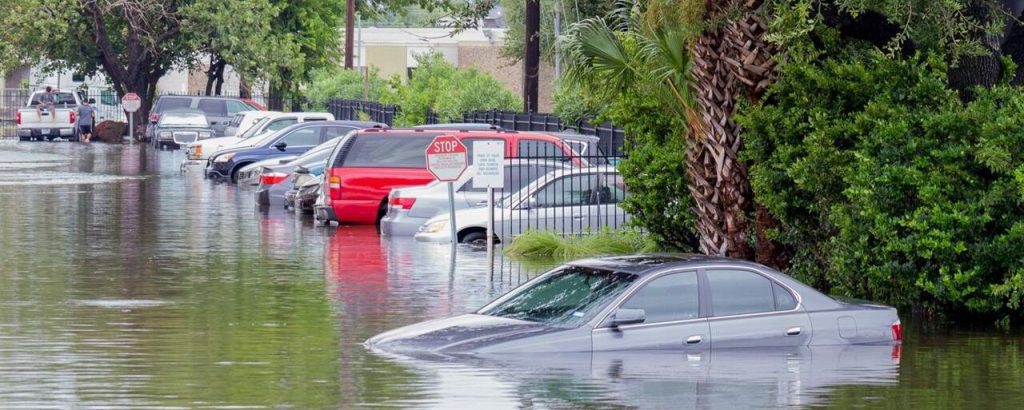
x: 58, y: 123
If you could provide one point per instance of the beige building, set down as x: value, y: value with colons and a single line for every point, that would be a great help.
x: 394, y: 51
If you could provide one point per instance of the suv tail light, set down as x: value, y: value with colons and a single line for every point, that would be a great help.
x: 402, y: 203
x: 17, y: 119
x: 334, y: 187
x: 897, y: 331
x: 153, y: 118
x: 72, y: 116
x: 273, y: 178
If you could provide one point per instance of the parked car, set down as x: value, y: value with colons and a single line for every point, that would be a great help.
x: 294, y: 140
x: 305, y: 189
x: 275, y: 121
x: 250, y: 174
x: 179, y: 127
x: 276, y: 179
x: 459, y: 126
x: 218, y: 110
x: 410, y: 208
x: 243, y: 121
x: 588, y: 146
x: 652, y: 302
x: 365, y: 167
x: 40, y: 123
x: 570, y: 201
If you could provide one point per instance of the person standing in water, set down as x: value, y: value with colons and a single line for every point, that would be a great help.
x: 86, y: 119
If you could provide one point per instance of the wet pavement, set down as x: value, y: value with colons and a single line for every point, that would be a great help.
x: 126, y: 284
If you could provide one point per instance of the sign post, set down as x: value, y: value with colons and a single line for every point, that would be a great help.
x: 131, y: 103
x: 446, y: 159
x: 489, y: 158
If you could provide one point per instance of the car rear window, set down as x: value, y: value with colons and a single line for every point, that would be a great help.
x: 385, y: 151
x: 212, y: 107
x: 170, y: 103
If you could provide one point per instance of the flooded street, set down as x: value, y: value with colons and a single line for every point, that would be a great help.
x: 126, y: 284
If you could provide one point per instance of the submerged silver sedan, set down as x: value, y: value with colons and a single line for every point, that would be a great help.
x: 651, y: 302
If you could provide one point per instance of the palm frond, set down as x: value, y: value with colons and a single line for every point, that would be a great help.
x: 593, y: 50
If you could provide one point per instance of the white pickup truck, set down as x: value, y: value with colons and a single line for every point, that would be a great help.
x: 60, y: 123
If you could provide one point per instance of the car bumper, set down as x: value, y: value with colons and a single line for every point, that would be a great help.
x: 401, y: 224
x: 444, y: 236
x: 50, y: 132
x: 324, y: 213
x: 218, y: 170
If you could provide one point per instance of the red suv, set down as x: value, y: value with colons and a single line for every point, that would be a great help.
x: 364, y: 168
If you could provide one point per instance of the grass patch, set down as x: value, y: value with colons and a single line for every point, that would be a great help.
x: 549, y: 245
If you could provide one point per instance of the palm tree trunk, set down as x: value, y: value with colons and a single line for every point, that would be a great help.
x: 730, y: 62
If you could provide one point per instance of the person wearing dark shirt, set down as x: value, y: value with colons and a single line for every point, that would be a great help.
x: 86, y: 119
x: 47, y: 100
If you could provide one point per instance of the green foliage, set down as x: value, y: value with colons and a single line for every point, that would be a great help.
x: 440, y: 86
x: 889, y: 187
x: 572, y: 11
x: 550, y: 245
x: 334, y: 82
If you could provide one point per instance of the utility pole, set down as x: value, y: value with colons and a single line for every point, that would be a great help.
x: 350, y: 13
x: 531, y: 62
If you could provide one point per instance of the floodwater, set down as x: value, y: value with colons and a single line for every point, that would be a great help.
x: 125, y: 284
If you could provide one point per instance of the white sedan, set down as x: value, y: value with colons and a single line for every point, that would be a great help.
x: 570, y: 201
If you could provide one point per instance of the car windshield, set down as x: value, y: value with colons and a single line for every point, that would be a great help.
x: 568, y: 296
x: 253, y: 130
x: 178, y: 118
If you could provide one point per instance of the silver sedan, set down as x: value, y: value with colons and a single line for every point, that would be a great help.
x: 652, y: 302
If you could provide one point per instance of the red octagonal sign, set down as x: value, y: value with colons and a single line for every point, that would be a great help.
x: 446, y: 158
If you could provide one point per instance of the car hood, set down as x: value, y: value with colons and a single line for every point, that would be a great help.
x: 219, y: 141
x: 463, y: 334
x: 468, y: 217
x: 228, y: 150
x: 189, y: 128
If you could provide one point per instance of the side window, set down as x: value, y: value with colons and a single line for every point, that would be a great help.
x: 384, y: 151
x: 668, y: 298
x: 736, y: 292
x: 235, y: 107
x: 520, y: 175
x: 540, y: 149
x: 304, y: 137
x: 573, y: 190
x: 213, y: 108
x: 281, y: 124
x: 783, y: 299
x: 613, y: 189
x: 334, y: 132
x: 171, y: 103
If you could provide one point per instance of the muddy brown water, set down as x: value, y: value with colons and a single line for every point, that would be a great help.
x: 125, y: 284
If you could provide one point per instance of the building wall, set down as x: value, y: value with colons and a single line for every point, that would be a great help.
x: 389, y: 60
x: 489, y: 60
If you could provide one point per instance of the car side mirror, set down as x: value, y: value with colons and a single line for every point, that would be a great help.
x: 628, y: 317
x: 301, y: 170
x: 281, y: 145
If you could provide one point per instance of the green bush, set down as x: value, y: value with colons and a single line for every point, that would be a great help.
x: 338, y: 83
x: 889, y: 187
x: 449, y: 91
x: 552, y: 246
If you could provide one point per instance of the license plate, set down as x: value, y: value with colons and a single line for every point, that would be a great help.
x: 44, y: 131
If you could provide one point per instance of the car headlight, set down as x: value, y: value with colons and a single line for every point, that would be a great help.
x: 197, y: 151
x: 204, y: 135
x: 164, y: 135
x: 434, y: 227
x: 224, y: 157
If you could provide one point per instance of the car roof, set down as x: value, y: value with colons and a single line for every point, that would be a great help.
x: 458, y: 126
x: 652, y: 263
x: 577, y: 137
x: 192, y: 97
x: 184, y: 111
x: 409, y: 132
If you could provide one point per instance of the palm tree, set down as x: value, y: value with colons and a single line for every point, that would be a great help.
x: 702, y: 66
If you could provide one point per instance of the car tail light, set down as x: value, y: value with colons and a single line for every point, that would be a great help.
x: 272, y: 178
x: 334, y: 187
x: 153, y: 118
x: 72, y: 116
x: 17, y: 119
x: 403, y: 203
x: 897, y: 331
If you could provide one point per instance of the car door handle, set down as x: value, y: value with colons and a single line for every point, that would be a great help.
x: 481, y: 203
x: 793, y: 331
x: 692, y: 340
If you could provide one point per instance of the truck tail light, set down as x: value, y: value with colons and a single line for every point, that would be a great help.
x: 334, y: 187
x: 273, y: 178
x: 897, y: 331
x: 402, y: 203
x: 17, y: 119
x: 72, y: 116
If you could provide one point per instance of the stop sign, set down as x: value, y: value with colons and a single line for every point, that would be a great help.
x: 131, y: 102
x: 446, y: 158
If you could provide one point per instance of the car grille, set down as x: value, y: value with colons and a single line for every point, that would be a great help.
x: 185, y: 137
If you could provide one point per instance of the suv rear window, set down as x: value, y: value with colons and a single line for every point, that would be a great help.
x: 214, y: 108
x: 385, y: 151
x: 170, y: 103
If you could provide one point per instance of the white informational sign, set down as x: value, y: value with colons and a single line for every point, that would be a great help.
x: 131, y: 102
x: 489, y: 159
x: 446, y: 158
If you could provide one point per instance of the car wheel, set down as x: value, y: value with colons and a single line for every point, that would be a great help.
x: 476, y: 238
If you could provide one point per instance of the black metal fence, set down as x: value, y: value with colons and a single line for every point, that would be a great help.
x: 355, y: 110
x: 560, y: 194
x: 612, y: 138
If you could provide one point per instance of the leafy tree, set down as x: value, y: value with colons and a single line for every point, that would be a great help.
x: 333, y: 82
x: 573, y: 11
